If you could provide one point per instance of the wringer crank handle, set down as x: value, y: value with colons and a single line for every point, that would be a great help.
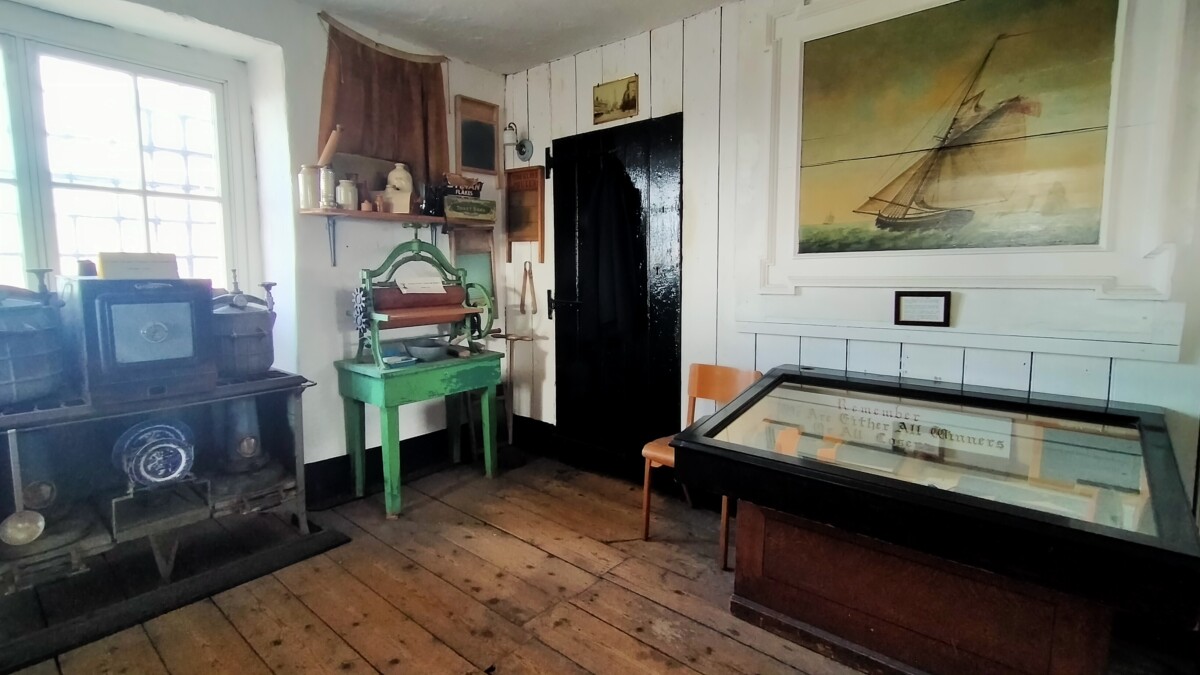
x: 477, y: 329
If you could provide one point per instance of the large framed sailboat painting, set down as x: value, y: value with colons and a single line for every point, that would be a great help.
x: 973, y: 124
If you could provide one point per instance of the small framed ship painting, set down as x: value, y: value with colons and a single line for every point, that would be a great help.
x: 973, y: 124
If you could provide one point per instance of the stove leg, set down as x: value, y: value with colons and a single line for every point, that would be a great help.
x: 165, y: 546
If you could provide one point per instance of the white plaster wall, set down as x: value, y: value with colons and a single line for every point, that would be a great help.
x: 284, y: 45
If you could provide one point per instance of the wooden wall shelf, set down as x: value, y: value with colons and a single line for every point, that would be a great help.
x: 407, y: 219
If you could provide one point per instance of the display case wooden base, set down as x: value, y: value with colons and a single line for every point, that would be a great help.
x: 888, y: 609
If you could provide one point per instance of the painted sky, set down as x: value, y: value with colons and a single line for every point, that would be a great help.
x: 891, y: 87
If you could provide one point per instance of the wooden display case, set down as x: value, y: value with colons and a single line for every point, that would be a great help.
x: 909, y: 525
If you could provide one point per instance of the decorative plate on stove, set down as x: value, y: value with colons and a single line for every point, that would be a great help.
x: 155, y: 452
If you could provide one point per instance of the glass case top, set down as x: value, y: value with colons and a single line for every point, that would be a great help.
x: 1089, y: 472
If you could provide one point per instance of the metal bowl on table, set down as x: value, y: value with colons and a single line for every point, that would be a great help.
x: 427, y: 349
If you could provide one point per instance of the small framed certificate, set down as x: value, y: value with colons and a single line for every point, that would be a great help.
x: 923, y: 308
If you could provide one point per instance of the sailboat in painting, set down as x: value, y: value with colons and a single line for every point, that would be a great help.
x: 966, y: 168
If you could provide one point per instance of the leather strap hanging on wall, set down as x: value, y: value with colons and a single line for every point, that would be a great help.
x: 527, y: 288
x: 389, y: 106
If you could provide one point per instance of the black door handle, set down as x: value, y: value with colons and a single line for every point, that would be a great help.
x: 552, y: 304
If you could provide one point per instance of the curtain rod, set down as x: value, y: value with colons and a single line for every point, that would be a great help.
x: 359, y: 37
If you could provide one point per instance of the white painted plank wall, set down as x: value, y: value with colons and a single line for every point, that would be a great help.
x: 734, y: 348
x: 701, y: 57
x: 1174, y: 387
x: 775, y: 350
x: 516, y: 105
x: 692, y: 66
x: 541, y: 113
x: 666, y: 68
x: 555, y: 101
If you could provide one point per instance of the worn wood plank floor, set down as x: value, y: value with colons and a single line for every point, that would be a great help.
x: 539, y: 571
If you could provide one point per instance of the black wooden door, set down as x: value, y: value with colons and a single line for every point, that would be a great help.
x: 618, y: 219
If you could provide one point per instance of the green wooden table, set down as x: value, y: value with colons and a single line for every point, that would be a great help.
x: 365, y: 383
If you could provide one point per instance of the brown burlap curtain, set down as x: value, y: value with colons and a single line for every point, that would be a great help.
x: 389, y: 108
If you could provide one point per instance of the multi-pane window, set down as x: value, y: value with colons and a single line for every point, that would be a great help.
x: 135, y: 170
x: 100, y: 154
x: 12, y: 265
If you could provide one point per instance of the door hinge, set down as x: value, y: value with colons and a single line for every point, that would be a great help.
x: 549, y: 163
x: 552, y: 304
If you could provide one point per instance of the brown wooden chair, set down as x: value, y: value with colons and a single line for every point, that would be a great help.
x: 720, y: 384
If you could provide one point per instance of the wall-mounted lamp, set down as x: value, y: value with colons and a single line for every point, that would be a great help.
x: 524, y: 147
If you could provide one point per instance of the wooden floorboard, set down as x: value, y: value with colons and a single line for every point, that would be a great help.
x: 709, y: 605
x: 197, y: 639
x: 129, y: 651
x: 487, y: 583
x: 479, y: 499
x: 382, y: 634
x: 539, y: 571
x: 674, y: 634
x: 285, y: 633
x: 599, y: 646
x: 471, y: 628
x: 536, y: 658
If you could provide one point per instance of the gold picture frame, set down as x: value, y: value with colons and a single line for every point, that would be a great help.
x: 615, y: 100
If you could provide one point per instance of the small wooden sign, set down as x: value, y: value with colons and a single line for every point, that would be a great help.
x: 525, y: 195
x: 470, y: 208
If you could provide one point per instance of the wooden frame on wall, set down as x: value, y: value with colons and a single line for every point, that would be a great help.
x: 525, y: 204
x: 1029, y: 299
x: 477, y: 136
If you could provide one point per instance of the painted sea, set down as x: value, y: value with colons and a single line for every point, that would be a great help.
x: 1072, y: 227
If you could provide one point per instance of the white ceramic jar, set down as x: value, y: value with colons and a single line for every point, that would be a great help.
x: 308, y: 182
x: 399, y: 189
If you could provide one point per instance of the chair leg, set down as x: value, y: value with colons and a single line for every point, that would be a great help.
x: 724, y: 538
x: 687, y: 496
x: 646, y: 504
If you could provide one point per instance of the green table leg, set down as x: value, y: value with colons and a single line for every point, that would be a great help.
x: 489, y: 431
x: 352, y: 411
x: 454, y: 425
x: 389, y: 426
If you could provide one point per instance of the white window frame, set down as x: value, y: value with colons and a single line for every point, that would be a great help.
x: 26, y: 33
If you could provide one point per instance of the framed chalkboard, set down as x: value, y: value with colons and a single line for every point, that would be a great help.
x: 478, y: 129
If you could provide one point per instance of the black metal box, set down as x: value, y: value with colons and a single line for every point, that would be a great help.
x: 138, y: 339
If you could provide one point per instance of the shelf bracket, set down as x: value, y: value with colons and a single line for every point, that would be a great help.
x: 331, y: 230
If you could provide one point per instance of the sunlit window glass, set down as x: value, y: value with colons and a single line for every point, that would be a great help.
x: 135, y: 169
x: 12, y: 263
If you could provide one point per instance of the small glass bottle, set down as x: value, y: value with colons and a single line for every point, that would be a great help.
x: 347, y: 195
x: 308, y: 181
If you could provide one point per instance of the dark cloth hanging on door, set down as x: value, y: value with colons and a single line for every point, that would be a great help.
x: 613, y: 217
x: 389, y: 108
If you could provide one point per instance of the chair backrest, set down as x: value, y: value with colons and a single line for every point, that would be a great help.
x: 720, y: 384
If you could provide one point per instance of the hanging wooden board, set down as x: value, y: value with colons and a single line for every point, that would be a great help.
x: 525, y: 196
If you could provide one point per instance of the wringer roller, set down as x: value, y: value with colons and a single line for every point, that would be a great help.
x: 382, y: 303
